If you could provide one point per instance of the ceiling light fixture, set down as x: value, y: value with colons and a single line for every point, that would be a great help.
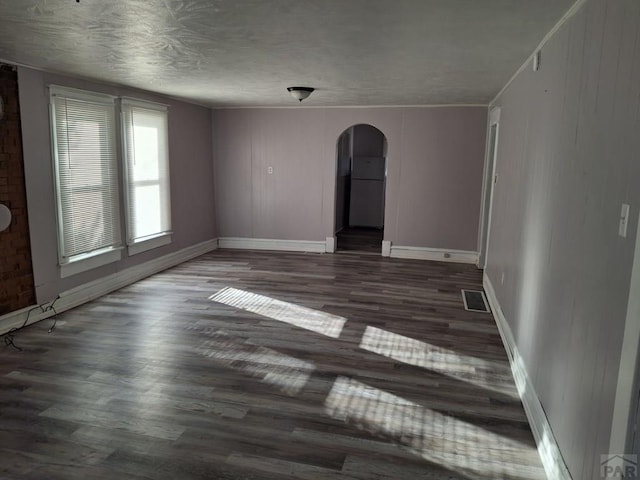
x: 300, y: 93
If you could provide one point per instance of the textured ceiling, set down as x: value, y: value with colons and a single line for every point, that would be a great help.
x: 246, y: 52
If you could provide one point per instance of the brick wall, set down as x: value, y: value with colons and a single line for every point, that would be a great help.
x: 16, y: 273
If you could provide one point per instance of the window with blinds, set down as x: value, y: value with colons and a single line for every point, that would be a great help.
x: 145, y: 133
x: 86, y: 173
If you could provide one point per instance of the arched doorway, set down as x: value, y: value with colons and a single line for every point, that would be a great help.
x: 361, y: 172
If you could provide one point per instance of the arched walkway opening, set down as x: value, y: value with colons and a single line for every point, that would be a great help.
x: 361, y: 171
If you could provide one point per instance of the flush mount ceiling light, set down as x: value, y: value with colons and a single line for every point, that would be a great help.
x: 300, y: 93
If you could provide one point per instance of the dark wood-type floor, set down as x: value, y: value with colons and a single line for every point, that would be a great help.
x: 359, y: 239
x: 255, y: 365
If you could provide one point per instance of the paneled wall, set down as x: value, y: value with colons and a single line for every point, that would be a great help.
x: 434, y: 162
x: 568, y: 158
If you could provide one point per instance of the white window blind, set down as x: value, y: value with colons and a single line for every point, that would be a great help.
x: 83, y: 134
x: 145, y: 135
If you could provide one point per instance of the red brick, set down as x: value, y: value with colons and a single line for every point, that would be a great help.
x: 16, y: 274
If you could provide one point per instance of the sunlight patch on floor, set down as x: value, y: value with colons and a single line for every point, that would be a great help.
x: 455, y: 444
x: 288, y: 374
x: 442, y: 360
x: 303, y: 317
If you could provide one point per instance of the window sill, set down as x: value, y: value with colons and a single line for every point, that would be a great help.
x: 87, y: 262
x: 149, y: 244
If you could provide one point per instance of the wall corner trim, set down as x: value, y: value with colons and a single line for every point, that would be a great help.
x: 102, y: 286
x: 434, y: 254
x: 386, y: 248
x: 330, y: 245
x: 272, y: 244
x: 575, y: 8
x: 548, y: 449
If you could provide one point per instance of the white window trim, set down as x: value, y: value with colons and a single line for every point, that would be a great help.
x: 149, y: 243
x: 161, y: 107
x: 82, y: 94
x: 83, y: 263
x: 144, y: 244
x: 89, y: 261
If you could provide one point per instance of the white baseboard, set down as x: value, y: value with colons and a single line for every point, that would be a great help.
x: 272, y: 244
x: 386, y: 248
x: 436, y: 254
x: 97, y: 288
x: 330, y: 245
x: 548, y: 449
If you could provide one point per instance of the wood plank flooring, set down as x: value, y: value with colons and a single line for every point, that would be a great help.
x: 260, y: 365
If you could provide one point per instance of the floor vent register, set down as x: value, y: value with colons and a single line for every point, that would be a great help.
x: 475, y: 301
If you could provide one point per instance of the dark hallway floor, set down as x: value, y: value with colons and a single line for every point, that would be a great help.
x: 360, y: 239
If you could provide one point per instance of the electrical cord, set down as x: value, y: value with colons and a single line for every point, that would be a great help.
x: 44, y: 308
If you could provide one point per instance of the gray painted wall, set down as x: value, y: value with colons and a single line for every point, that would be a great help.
x: 435, y: 161
x: 568, y: 157
x: 190, y: 151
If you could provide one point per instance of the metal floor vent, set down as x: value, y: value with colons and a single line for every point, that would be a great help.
x: 475, y: 301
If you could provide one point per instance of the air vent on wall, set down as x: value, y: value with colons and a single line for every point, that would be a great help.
x: 475, y: 301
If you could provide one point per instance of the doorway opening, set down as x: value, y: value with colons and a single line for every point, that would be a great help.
x: 625, y: 425
x: 361, y: 172
x: 490, y: 179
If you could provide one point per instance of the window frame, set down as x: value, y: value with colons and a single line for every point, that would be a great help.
x: 74, y: 264
x: 159, y: 239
